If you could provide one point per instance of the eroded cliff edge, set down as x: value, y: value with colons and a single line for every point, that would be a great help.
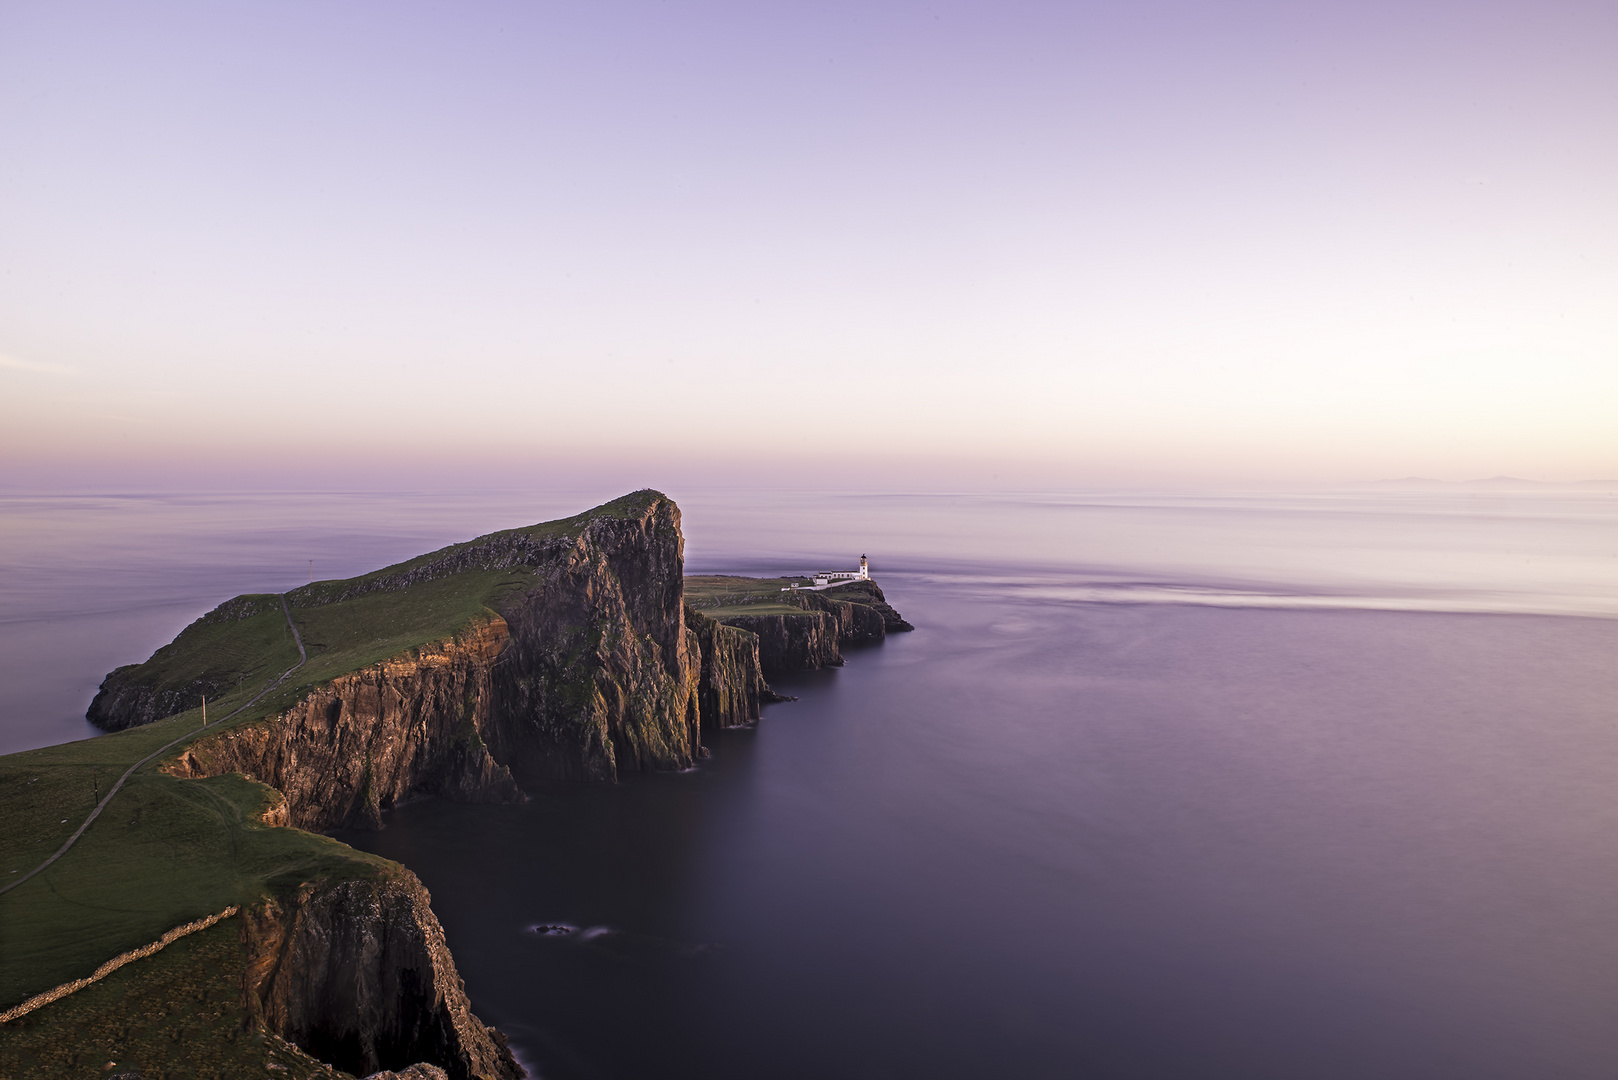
x: 358, y: 974
x: 799, y: 629
x: 563, y: 652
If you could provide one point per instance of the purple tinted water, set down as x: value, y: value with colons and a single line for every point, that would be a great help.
x: 1053, y: 839
x: 1159, y: 787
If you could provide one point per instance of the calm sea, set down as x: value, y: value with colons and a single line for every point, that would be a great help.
x: 1249, y: 786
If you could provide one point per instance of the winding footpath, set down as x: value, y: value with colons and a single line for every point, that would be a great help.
x: 303, y: 658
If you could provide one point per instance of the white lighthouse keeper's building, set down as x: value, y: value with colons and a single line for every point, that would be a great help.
x: 834, y: 577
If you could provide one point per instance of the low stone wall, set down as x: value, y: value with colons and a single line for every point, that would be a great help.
x: 60, y: 992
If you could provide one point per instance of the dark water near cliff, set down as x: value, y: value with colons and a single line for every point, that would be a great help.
x: 1241, y: 787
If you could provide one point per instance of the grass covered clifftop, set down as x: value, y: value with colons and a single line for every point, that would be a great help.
x: 347, y: 624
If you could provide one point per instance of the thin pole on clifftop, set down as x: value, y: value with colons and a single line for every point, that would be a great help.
x: 311, y: 571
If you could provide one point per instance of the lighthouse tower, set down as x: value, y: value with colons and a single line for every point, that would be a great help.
x: 865, y: 569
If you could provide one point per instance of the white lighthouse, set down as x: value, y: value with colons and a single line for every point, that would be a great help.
x: 837, y: 577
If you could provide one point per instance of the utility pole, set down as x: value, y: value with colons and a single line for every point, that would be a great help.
x: 311, y: 571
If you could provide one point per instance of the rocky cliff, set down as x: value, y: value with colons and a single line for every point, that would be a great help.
x: 562, y: 650
x: 582, y: 666
x: 354, y: 746
x: 731, y: 684
x: 600, y: 673
x: 853, y: 614
x: 357, y: 973
x: 867, y: 594
x: 794, y: 642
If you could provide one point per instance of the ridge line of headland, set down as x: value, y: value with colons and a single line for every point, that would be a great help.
x: 303, y: 658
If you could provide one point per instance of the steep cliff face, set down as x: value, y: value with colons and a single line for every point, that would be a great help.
x: 868, y: 594
x: 353, y: 747
x: 589, y: 669
x: 599, y: 675
x: 357, y: 973
x: 857, y: 624
x: 790, y: 643
x: 731, y: 684
x: 853, y: 614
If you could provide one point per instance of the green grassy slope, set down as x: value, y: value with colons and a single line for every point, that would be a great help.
x: 719, y: 596
x: 172, y: 1016
x: 164, y: 852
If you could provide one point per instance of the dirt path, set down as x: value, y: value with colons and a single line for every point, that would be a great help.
x: 303, y: 658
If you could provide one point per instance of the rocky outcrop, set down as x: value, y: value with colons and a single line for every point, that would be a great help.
x: 869, y: 594
x: 853, y: 614
x: 789, y: 643
x: 587, y: 671
x: 129, y: 696
x: 857, y: 624
x: 125, y: 701
x: 357, y: 973
x: 356, y: 745
x: 418, y: 1071
x: 731, y: 683
x: 600, y: 673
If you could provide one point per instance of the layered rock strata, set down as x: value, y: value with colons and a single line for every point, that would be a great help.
x: 356, y: 745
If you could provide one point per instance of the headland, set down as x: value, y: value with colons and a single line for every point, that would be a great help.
x: 223, y: 929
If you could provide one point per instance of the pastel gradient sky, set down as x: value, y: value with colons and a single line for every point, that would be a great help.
x: 1016, y: 242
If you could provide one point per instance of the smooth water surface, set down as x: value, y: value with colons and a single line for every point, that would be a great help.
x: 1318, y: 785
x: 1039, y: 838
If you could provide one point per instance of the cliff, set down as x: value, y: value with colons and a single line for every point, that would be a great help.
x: 731, y: 684
x: 560, y: 651
x: 600, y: 673
x: 798, y: 629
x: 865, y: 594
x: 357, y: 973
x: 799, y: 641
x: 356, y: 745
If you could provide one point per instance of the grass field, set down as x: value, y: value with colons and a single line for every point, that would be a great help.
x: 718, y: 596
x: 172, y: 1016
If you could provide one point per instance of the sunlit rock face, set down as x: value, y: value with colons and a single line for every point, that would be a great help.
x: 411, y: 724
x: 589, y: 668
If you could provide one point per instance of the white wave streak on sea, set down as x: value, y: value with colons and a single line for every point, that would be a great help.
x: 1257, y: 596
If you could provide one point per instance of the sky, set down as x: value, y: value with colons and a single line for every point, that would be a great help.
x: 900, y: 243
